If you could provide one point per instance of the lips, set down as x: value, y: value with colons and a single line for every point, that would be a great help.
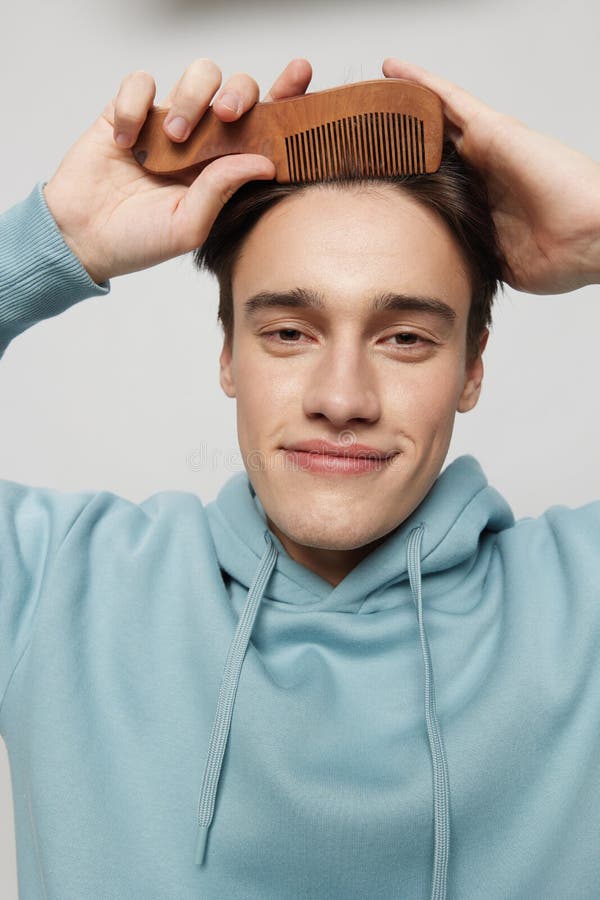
x: 356, y: 451
x: 324, y: 458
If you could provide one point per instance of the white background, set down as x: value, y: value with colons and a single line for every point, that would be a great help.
x: 122, y: 392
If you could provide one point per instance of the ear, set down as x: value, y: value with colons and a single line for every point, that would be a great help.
x: 473, y: 378
x: 226, y: 372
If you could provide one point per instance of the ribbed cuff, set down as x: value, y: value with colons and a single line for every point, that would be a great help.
x: 40, y: 276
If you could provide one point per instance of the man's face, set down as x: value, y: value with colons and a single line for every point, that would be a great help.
x: 369, y: 363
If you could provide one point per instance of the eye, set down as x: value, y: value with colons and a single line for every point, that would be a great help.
x: 408, y: 339
x: 409, y: 346
x: 284, y: 335
x: 288, y: 334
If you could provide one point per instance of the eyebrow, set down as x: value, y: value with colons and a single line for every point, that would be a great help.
x: 302, y: 298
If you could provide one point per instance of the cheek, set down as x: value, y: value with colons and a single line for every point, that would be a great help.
x: 424, y: 399
x: 268, y: 394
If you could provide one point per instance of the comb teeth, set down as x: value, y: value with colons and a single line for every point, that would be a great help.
x: 376, y: 144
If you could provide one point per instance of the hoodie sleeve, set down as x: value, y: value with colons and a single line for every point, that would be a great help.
x: 551, y: 577
x: 34, y: 522
x: 40, y: 276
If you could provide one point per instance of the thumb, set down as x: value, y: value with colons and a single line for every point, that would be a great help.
x: 210, y: 191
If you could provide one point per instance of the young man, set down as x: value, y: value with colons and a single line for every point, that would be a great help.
x: 227, y: 701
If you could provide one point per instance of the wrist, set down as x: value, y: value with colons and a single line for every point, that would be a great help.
x: 69, y: 224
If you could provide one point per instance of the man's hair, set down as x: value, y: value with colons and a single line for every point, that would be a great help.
x: 455, y: 192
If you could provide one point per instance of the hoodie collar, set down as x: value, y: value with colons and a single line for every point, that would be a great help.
x: 458, y: 508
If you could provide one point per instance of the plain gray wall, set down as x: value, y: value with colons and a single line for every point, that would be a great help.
x: 122, y: 392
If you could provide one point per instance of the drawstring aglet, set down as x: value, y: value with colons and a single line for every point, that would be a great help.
x: 201, y: 844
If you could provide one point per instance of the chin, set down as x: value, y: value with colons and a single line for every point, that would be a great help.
x: 331, y: 533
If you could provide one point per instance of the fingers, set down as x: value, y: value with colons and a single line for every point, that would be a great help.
x: 130, y: 107
x: 294, y: 80
x: 191, y: 97
x: 460, y: 107
x: 238, y: 95
x: 211, y: 190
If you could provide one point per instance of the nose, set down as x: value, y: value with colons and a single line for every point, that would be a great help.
x: 342, y: 387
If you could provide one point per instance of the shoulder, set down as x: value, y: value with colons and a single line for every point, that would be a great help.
x: 39, y: 516
x: 577, y: 528
x: 563, y: 541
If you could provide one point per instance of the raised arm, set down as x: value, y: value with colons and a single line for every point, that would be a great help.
x: 119, y: 219
x: 101, y: 215
x: 545, y: 196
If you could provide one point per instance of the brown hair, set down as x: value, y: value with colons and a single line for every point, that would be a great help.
x: 455, y: 192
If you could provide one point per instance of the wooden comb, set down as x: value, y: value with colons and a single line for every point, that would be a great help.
x: 387, y: 126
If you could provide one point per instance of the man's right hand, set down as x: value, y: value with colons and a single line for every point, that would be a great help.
x: 116, y: 217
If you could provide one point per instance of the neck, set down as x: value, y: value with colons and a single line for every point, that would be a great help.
x: 332, y: 565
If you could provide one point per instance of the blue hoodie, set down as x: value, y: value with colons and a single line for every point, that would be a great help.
x: 190, y: 713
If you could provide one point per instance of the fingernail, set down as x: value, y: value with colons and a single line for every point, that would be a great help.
x: 122, y: 139
x: 231, y: 101
x: 178, y: 127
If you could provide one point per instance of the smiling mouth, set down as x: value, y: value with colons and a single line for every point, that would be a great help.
x: 323, y: 457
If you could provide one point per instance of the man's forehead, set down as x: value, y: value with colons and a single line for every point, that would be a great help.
x: 380, y: 249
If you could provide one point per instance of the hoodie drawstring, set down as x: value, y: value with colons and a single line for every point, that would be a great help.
x: 222, y: 723
x: 227, y: 692
x: 438, y: 757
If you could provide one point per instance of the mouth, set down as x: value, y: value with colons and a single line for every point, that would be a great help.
x: 324, y: 457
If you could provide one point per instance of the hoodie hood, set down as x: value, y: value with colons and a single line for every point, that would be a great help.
x: 457, y: 510
x: 439, y: 540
